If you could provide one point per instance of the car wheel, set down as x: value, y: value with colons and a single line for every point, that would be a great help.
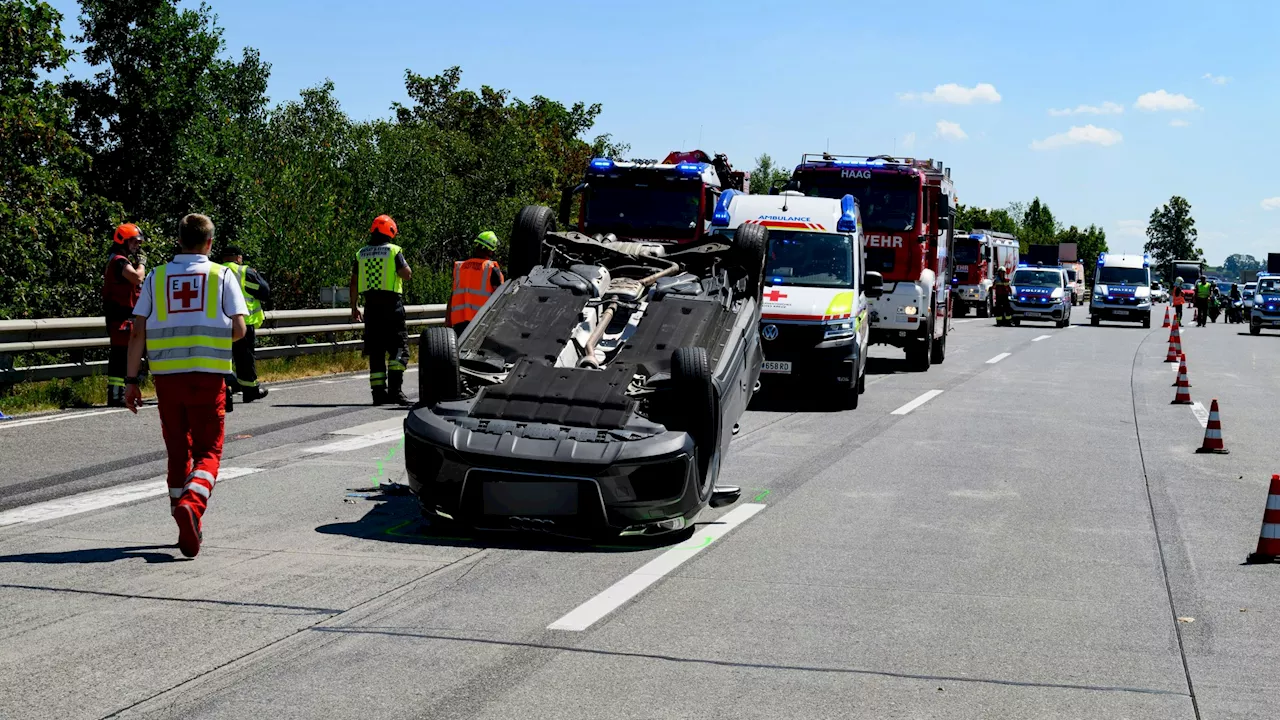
x: 695, y: 398
x: 438, y: 377
x: 1094, y: 320
x: 940, y: 347
x: 984, y: 310
x: 920, y: 354
x: 862, y: 382
x: 1255, y: 329
x: 1146, y: 321
x: 532, y: 224
x: 752, y: 245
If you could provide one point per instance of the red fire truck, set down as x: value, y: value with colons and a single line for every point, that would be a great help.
x: 650, y: 201
x: 907, y: 210
x: 978, y: 254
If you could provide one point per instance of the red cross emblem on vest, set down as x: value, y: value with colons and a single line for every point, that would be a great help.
x: 186, y: 293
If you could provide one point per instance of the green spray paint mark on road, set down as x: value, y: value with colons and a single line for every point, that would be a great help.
x: 761, y: 496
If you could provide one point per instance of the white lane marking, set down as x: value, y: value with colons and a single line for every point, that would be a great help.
x: 355, y: 443
x: 1068, y: 327
x: 56, y: 418
x: 998, y: 358
x: 76, y: 504
x: 586, y: 614
x: 394, y: 423
x: 1201, y: 414
x: 917, y: 402
x: 961, y: 322
x: 1042, y: 337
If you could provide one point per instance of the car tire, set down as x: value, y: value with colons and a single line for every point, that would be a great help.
x: 1146, y: 321
x: 532, y: 224
x: 984, y: 310
x: 920, y: 354
x: 1255, y: 329
x: 438, y: 377
x: 1094, y: 320
x: 961, y: 309
x: 751, y: 243
x: 862, y: 382
x: 698, y: 411
x: 940, y: 346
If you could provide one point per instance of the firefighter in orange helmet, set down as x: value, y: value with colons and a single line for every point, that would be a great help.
x: 474, y: 280
x: 379, y: 273
x: 121, y: 284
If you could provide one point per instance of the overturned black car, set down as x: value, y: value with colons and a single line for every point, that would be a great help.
x: 595, y: 394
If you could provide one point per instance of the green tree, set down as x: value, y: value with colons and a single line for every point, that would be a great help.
x: 46, y: 220
x: 1171, y: 233
x: 1236, y: 265
x: 166, y: 117
x: 767, y: 175
x: 969, y: 217
x: 1090, y: 242
x: 1038, y: 225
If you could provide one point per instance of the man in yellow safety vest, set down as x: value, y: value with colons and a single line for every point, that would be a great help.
x: 257, y: 295
x: 379, y: 273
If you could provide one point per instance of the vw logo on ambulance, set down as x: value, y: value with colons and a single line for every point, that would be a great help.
x: 769, y: 332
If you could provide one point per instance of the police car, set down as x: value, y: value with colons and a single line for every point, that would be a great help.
x: 1266, y: 304
x: 1040, y: 293
x: 1121, y: 289
x: 814, y: 308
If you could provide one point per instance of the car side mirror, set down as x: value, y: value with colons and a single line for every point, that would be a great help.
x: 872, y: 284
x: 944, y: 223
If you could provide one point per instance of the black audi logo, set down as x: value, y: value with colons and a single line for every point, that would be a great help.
x: 769, y: 332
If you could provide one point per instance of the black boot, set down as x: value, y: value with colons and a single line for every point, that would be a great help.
x: 380, y: 396
x: 257, y: 392
x: 230, y: 403
x: 115, y: 396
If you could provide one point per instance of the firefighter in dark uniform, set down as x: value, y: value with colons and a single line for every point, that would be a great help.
x: 1003, y: 291
x: 121, y: 283
x: 378, y: 273
x: 258, y: 296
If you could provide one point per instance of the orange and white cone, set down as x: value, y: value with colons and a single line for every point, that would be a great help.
x: 1184, y: 389
x: 1167, y: 313
x: 1175, y: 344
x: 1269, y: 538
x: 1213, y: 433
x: 1182, y: 370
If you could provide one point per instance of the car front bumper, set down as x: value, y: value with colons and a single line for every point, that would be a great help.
x: 602, y: 482
x: 1054, y: 312
x: 1262, y: 319
x: 1117, y: 311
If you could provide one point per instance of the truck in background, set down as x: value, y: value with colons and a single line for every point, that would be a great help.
x: 907, y: 207
x: 978, y: 253
x: 1189, y: 271
x: 1069, y: 258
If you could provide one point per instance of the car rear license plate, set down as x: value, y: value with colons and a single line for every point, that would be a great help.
x: 1121, y: 312
x: 779, y: 367
x: 530, y: 498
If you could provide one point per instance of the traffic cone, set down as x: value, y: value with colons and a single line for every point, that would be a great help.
x: 1182, y: 370
x: 1175, y: 344
x: 1184, y: 394
x: 1167, y: 314
x: 1213, y: 433
x: 1269, y: 538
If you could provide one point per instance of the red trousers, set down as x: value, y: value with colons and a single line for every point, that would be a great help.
x: 191, y: 416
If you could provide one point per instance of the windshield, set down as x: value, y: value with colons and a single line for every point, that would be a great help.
x: 966, y: 251
x: 638, y: 209
x: 1037, y: 278
x: 885, y: 205
x: 1123, y: 276
x: 1071, y: 275
x: 1250, y: 286
x: 1269, y: 285
x: 809, y: 258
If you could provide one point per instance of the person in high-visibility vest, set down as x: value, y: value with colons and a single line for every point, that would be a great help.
x: 474, y: 280
x: 188, y: 315
x: 1204, y: 289
x: 379, y: 273
x: 1002, y: 291
x: 257, y: 295
x: 126, y: 269
x: 1178, y: 300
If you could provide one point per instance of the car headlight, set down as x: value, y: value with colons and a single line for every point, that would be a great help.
x: 910, y: 310
x: 838, y: 330
x: 1056, y: 294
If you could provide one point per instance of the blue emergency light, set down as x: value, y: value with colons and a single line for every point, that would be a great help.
x: 720, y: 218
x: 1023, y: 265
x: 848, y: 221
x: 690, y: 169
x: 1146, y: 260
x: 602, y: 164
x: 1101, y: 258
x: 976, y: 236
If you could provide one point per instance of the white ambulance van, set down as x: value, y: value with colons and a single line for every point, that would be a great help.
x: 814, y: 323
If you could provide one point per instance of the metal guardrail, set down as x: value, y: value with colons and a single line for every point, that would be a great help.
x: 84, y: 333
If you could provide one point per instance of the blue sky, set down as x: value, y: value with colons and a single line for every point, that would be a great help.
x: 970, y: 83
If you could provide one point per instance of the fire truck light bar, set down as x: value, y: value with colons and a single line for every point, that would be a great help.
x: 602, y: 164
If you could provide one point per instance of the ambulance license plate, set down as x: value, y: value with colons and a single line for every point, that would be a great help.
x: 778, y: 367
x: 1120, y: 312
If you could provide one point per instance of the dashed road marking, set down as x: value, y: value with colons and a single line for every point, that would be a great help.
x: 1042, y: 337
x: 98, y: 499
x: 1201, y: 414
x: 917, y: 402
x: 591, y: 611
x: 357, y: 442
x: 961, y: 322
x: 998, y: 358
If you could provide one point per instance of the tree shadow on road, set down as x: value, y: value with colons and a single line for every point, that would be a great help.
x: 396, y: 519
x: 95, y: 555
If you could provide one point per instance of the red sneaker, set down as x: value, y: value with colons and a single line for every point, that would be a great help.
x: 189, y: 533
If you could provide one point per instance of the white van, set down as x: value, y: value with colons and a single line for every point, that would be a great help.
x: 813, y: 324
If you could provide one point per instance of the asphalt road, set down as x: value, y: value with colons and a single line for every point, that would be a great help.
x: 1024, y: 531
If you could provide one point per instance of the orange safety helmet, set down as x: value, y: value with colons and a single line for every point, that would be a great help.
x: 385, y: 225
x: 126, y: 232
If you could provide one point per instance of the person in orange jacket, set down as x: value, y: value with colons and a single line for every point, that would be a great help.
x: 121, y: 283
x: 474, y: 280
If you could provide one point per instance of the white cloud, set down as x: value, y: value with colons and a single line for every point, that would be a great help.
x: 948, y: 129
x: 954, y: 94
x: 908, y: 141
x: 1178, y: 122
x: 1163, y: 100
x: 1131, y: 228
x: 1271, y: 203
x: 1077, y: 135
x: 1106, y: 108
x: 1216, y: 79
